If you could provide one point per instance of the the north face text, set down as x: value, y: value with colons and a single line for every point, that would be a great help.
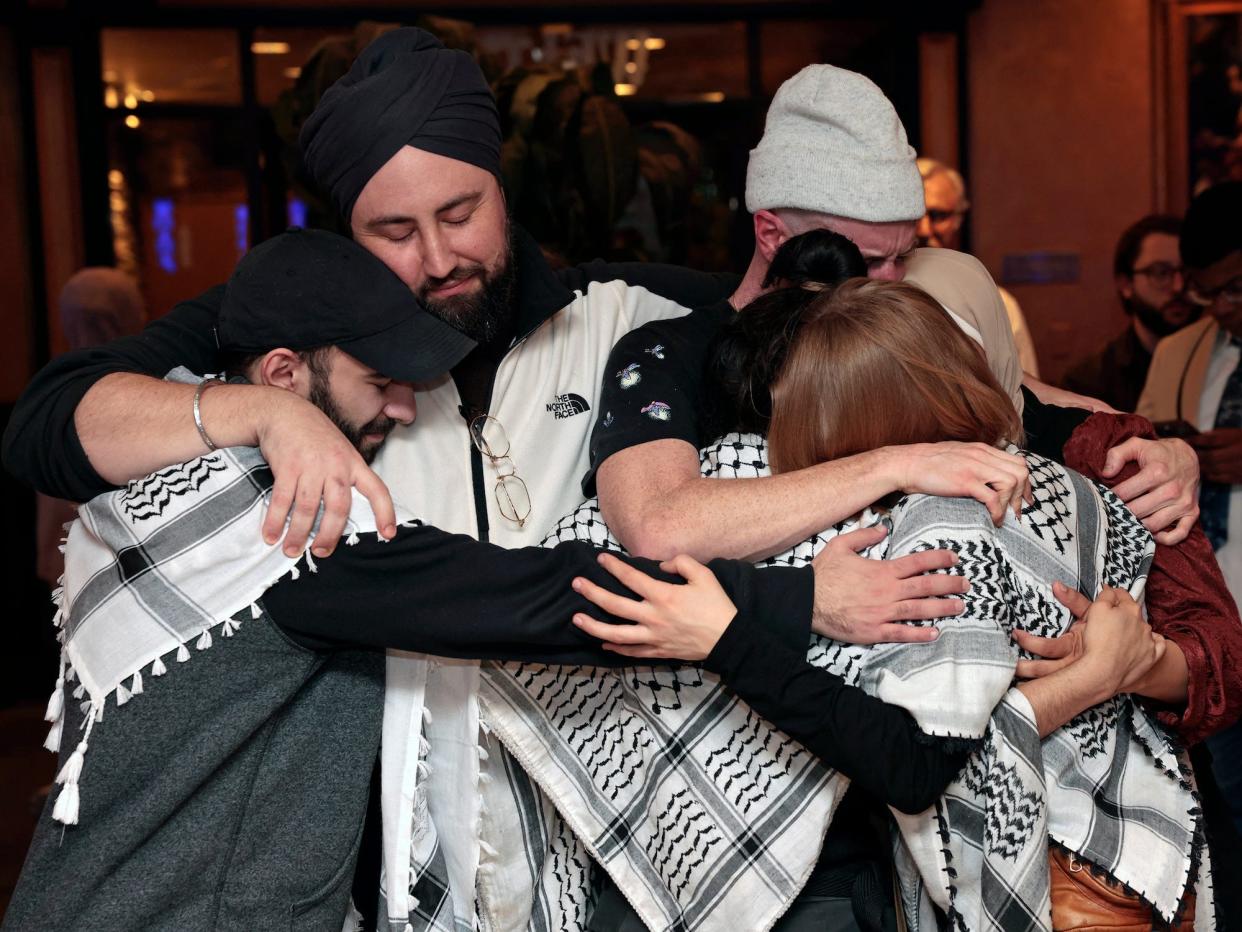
x: 568, y: 405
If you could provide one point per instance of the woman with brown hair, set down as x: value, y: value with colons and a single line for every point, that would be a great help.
x: 870, y: 364
x: 876, y: 363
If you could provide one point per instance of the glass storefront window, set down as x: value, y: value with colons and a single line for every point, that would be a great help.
x: 170, y: 66
x: 279, y: 54
x: 674, y: 62
x: 180, y: 218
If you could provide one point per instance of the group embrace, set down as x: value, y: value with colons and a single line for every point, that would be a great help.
x: 861, y: 627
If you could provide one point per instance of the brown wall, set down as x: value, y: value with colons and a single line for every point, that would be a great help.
x: 1061, y: 154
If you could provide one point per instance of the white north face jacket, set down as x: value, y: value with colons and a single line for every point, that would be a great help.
x: 545, y: 395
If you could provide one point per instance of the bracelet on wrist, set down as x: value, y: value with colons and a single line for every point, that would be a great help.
x: 198, y: 413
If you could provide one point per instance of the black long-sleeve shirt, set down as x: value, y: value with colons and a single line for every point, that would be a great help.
x: 448, y: 594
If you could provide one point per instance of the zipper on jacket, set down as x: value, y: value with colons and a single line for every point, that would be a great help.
x: 476, y: 474
x: 468, y: 414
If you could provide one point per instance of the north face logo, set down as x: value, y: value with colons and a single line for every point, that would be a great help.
x: 568, y: 405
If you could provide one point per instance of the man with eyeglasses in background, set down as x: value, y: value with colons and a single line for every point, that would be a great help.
x: 1194, y: 388
x: 944, y: 193
x: 1147, y: 269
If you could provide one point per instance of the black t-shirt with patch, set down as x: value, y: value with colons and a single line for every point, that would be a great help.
x: 653, y: 390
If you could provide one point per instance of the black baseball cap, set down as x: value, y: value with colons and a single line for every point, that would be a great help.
x: 304, y: 289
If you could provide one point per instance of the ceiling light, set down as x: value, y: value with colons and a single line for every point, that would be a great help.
x: 625, y: 90
x: 631, y: 67
x: 633, y: 44
x: 270, y: 48
x: 131, y: 100
x: 132, y: 121
x: 147, y: 96
x: 112, y: 100
x: 653, y: 44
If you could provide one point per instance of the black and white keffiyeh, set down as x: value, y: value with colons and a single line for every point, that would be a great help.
x: 708, y: 818
x: 153, y: 569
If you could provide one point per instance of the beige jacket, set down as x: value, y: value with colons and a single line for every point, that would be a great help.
x: 1178, y: 369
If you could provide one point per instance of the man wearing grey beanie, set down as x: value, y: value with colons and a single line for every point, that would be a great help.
x: 834, y: 155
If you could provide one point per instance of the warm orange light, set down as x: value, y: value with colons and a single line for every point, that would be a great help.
x: 132, y: 121
x: 631, y: 67
x: 270, y: 48
x: 112, y: 99
x: 293, y: 73
x: 131, y: 100
x: 712, y: 97
x: 633, y: 44
x: 147, y: 96
x: 653, y: 44
x: 625, y: 90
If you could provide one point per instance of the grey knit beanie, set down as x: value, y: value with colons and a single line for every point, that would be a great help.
x: 833, y: 143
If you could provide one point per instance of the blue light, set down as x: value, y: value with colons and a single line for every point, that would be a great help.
x: 241, y: 228
x: 164, y: 223
x: 297, y: 212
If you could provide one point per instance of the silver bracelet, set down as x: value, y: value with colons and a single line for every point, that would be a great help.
x: 198, y: 413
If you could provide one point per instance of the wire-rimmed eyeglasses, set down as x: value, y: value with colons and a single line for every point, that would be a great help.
x: 512, y: 497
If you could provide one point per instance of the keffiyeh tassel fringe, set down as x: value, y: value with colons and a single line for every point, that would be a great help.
x: 52, y: 741
x: 56, y: 708
x: 56, y: 703
x: 68, y: 802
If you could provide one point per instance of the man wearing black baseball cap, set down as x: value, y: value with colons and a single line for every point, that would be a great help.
x: 307, y: 292
x: 244, y: 687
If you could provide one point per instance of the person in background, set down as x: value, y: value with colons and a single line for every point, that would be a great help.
x: 1194, y: 385
x: 97, y: 304
x: 1148, y: 273
x: 944, y: 192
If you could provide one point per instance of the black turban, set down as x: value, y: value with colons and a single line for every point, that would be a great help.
x: 405, y: 89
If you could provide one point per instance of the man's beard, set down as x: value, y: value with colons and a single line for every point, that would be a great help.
x: 321, y: 397
x: 1153, y: 318
x: 484, y: 314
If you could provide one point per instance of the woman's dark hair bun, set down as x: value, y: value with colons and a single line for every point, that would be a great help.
x: 816, y: 257
x: 748, y: 353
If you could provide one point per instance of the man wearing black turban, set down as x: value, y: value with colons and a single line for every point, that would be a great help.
x: 407, y: 146
x: 405, y: 89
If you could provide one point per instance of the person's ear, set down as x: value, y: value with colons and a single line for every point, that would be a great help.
x: 284, y: 368
x: 1125, y: 286
x: 770, y: 233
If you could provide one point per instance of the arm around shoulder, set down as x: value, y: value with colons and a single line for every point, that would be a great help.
x: 41, y: 443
